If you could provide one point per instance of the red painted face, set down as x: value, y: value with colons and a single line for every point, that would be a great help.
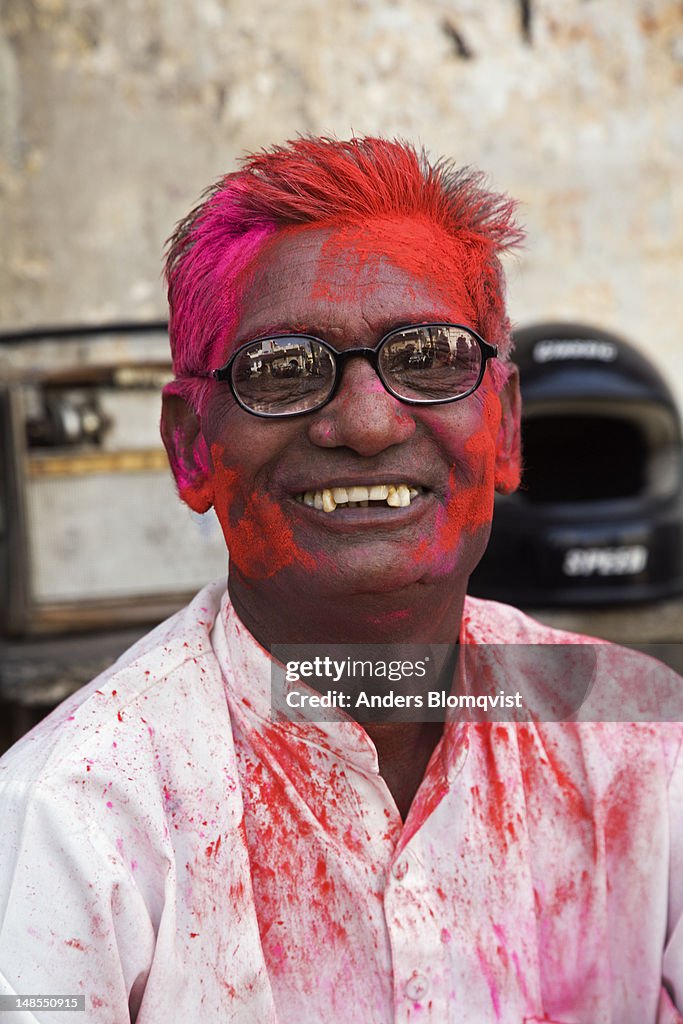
x: 351, y: 286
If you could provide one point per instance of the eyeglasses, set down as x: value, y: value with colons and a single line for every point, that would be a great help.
x: 292, y: 374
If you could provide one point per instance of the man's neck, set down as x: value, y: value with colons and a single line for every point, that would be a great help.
x: 421, y: 614
x: 404, y: 748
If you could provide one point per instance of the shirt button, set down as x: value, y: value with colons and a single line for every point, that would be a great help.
x: 416, y: 987
x: 400, y: 869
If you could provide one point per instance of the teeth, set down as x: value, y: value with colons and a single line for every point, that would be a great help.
x: 395, y: 495
x: 403, y: 495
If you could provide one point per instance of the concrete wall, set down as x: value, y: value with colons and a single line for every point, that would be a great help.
x: 115, y: 115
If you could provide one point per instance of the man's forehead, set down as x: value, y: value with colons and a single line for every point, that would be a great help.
x: 417, y: 245
x: 406, y: 261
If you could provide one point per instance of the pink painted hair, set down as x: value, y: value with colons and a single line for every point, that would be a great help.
x: 327, y: 182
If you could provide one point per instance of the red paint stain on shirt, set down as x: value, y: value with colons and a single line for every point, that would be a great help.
x: 619, y: 819
x: 494, y: 786
x: 536, y: 759
x: 432, y: 790
x: 213, y: 848
x: 325, y: 884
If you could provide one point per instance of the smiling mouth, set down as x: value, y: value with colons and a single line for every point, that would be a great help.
x: 372, y: 496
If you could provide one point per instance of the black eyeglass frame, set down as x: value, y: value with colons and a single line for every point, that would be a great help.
x: 224, y: 373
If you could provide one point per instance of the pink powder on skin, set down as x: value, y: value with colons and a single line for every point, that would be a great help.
x: 199, y: 496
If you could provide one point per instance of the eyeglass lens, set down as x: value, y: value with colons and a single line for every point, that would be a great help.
x: 293, y: 374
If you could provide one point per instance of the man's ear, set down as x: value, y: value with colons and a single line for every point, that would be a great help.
x: 508, y: 447
x: 188, y: 453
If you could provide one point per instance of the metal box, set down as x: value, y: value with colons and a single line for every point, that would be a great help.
x: 92, y: 532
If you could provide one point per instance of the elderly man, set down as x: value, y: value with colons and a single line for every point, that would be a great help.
x: 175, y: 852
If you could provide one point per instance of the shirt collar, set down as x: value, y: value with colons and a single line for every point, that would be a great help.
x: 247, y: 670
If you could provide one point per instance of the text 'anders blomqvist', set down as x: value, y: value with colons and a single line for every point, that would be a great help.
x: 431, y: 699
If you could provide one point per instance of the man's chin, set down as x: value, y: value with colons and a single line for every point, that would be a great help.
x: 362, y: 573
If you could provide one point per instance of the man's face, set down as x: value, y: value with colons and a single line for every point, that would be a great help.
x: 350, y: 287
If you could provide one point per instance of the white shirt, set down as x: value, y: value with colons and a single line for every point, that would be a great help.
x: 173, y: 855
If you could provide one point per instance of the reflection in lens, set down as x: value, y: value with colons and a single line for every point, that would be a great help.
x: 283, y: 375
x: 431, y: 362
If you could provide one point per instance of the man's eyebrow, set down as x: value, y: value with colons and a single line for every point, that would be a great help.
x: 383, y: 326
x: 277, y: 327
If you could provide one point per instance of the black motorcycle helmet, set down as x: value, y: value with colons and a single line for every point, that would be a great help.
x: 599, y: 516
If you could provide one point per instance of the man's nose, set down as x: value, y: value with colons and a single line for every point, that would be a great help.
x: 362, y: 415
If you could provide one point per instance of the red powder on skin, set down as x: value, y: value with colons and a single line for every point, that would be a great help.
x: 470, y: 506
x: 415, y: 244
x: 391, y: 616
x: 258, y: 536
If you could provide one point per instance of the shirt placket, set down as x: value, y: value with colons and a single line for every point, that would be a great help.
x: 422, y: 979
x: 414, y: 938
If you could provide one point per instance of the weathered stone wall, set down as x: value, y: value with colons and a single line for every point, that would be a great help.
x: 115, y: 115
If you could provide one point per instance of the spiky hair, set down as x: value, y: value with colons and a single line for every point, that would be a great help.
x: 327, y: 182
